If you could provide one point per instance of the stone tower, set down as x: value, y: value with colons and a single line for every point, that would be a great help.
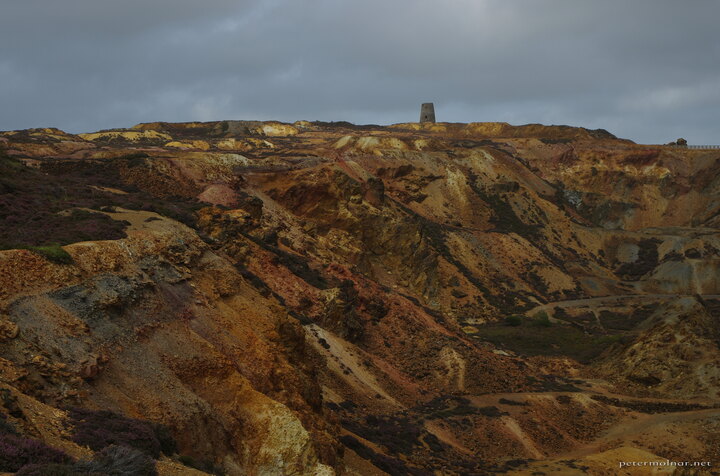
x: 427, y: 112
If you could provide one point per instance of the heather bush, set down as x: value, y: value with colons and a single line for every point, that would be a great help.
x: 168, y: 445
x: 16, y: 452
x: 51, y: 470
x: 31, y: 206
x: 6, y: 426
x: 39, y: 207
x: 120, y: 461
x: 202, y: 465
x: 397, y: 433
x: 99, y: 429
x: 386, y: 463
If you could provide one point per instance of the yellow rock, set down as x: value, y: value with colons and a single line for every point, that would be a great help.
x: 196, y: 144
x: 228, y: 144
x: 302, y: 124
x: 277, y: 129
x: 370, y: 143
x: 247, y: 144
x: 132, y: 136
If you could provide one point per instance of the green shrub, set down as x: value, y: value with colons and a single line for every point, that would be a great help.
x: 53, y: 253
x: 537, y: 336
x: 541, y: 319
x: 513, y: 320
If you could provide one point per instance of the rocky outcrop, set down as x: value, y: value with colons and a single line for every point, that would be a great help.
x: 678, y: 354
x: 156, y: 325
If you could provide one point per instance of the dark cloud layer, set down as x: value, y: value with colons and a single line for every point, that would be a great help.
x: 648, y: 70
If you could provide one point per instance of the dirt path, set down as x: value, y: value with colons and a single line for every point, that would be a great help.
x: 623, y: 299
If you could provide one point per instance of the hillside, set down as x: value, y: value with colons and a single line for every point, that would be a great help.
x: 323, y: 298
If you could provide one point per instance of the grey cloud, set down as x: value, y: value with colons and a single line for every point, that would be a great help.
x: 647, y: 69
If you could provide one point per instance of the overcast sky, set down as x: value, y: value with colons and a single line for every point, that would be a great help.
x: 647, y: 70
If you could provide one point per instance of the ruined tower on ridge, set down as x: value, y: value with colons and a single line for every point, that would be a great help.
x: 427, y: 112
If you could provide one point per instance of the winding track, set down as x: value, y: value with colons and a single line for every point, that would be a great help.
x: 616, y: 300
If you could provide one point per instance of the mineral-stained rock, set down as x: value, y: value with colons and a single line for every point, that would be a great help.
x: 8, y: 330
x: 458, y: 298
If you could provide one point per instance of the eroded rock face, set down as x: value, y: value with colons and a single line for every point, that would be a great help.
x: 156, y: 325
x: 322, y: 297
x: 677, y: 356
